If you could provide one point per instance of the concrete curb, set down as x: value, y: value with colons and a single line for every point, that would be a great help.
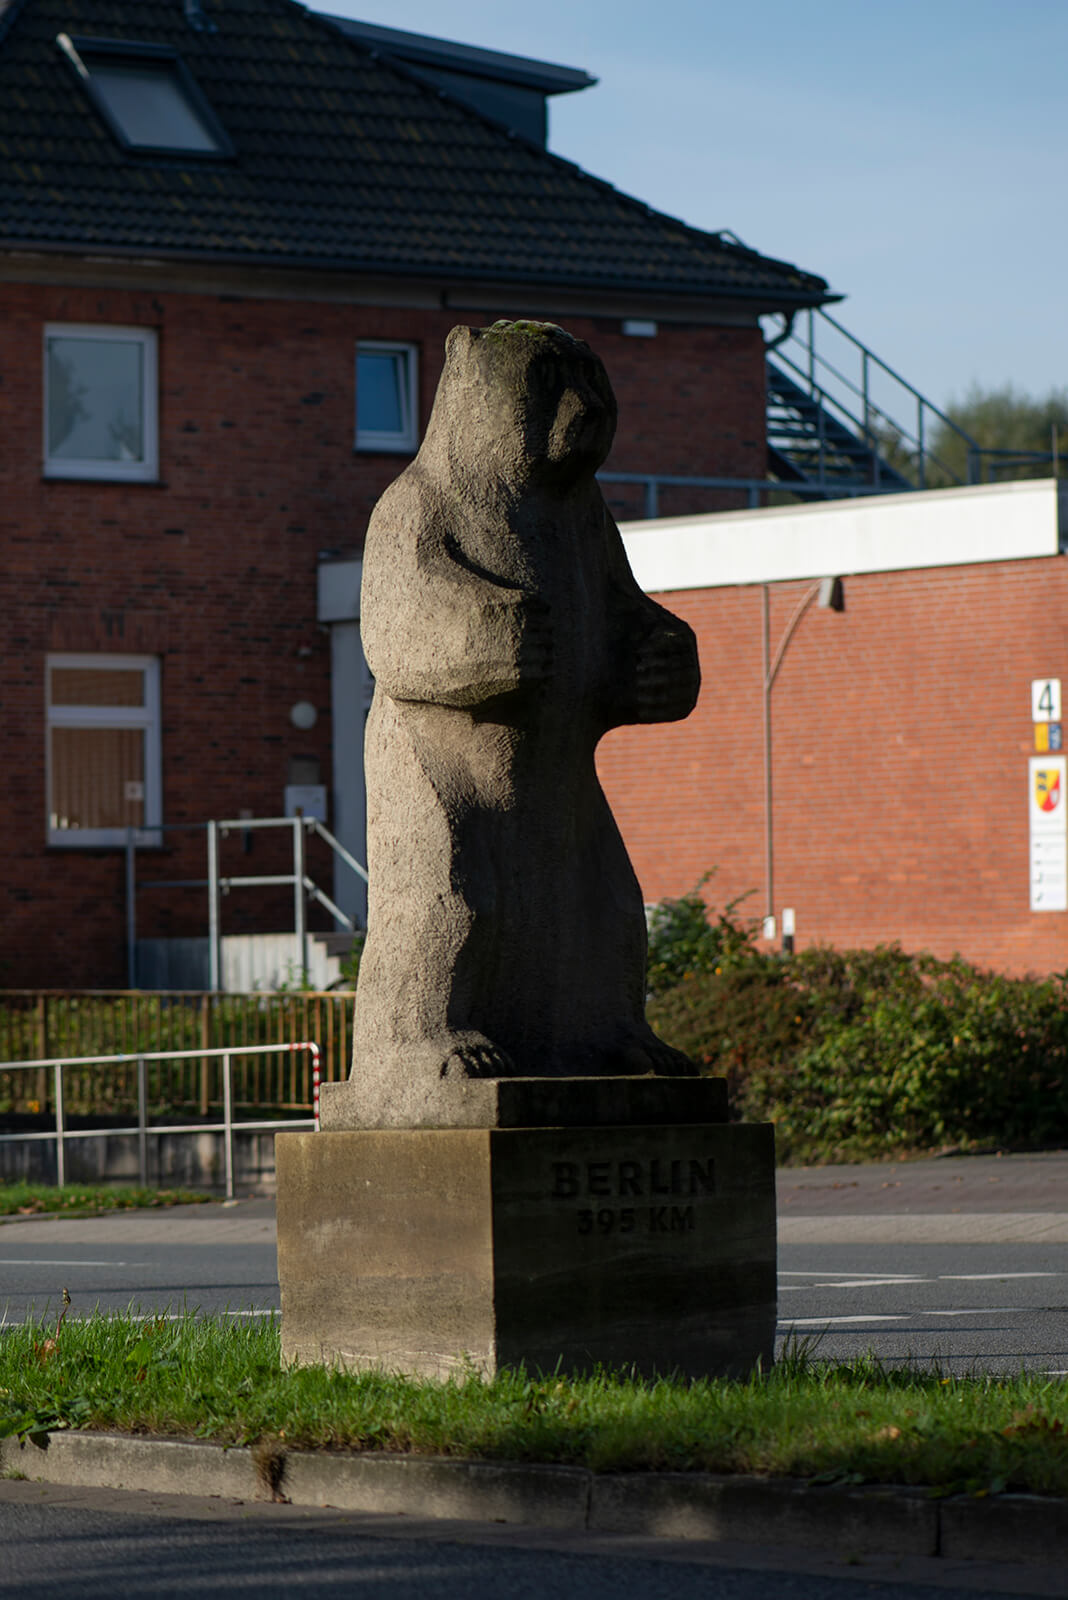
x: 868, y: 1521
x: 917, y: 1227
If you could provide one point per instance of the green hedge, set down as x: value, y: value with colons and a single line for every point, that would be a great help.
x: 863, y: 1053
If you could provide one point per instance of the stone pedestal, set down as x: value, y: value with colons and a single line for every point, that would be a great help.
x: 627, y: 1242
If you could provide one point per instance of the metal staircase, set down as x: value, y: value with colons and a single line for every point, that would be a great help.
x: 807, y: 444
x: 841, y: 421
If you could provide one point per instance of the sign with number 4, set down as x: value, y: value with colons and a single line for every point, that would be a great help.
x: 1045, y: 699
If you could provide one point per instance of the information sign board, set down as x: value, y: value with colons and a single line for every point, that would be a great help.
x: 1047, y: 779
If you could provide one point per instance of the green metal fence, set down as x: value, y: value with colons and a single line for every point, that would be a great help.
x: 37, y: 1024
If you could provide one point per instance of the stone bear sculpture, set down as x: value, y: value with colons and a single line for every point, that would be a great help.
x: 506, y: 634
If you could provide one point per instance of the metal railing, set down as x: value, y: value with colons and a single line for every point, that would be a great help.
x: 851, y: 389
x: 753, y: 489
x: 143, y: 1128
x: 304, y: 887
x: 49, y: 1025
x: 871, y: 399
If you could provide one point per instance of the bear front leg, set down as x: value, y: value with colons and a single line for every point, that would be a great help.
x: 467, y: 651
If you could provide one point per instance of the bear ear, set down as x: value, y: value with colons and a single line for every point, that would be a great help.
x: 460, y: 339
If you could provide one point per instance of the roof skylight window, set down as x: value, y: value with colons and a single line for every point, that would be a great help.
x: 147, y: 96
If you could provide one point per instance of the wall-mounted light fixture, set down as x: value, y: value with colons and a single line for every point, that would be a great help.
x: 303, y: 715
x: 832, y: 595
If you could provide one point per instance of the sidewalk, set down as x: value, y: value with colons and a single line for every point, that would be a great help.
x: 236, y: 1222
x: 946, y: 1200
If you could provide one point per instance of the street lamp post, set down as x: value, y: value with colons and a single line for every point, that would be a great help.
x: 828, y: 592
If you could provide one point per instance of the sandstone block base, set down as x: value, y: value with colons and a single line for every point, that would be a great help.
x: 429, y: 1250
x: 530, y: 1103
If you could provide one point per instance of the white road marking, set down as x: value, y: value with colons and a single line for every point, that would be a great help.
x: 848, y: 1281
x: 969, y: 1311
x: 828, y: 1272
x: 826, y: 1322
x: 976, y: 1311
x: 993, y: 1277
x: 830, y: 1282
x: 865, y: 1283
x: 23, y: 1261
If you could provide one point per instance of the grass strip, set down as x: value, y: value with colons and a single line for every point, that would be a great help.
x: 87, y: 1199
x: 855, y: 1422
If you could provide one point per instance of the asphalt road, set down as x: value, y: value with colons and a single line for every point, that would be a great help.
x: 217, y: 1259
x: 95, y: 1544
x: 992, y: 1308
x: 961, y: 1261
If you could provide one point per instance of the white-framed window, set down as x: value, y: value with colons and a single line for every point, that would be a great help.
x: 100, y: 411
x: 387, y: 396
x: 103, y: 749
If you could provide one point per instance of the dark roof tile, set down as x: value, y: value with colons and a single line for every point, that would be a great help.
x: 342, y: 160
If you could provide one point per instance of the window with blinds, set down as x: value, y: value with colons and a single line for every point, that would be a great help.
x: 103, y: 749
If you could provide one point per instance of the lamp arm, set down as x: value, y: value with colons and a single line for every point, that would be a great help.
x: 791, y: 627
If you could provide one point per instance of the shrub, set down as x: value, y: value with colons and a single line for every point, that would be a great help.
x: 864, y: 1052
x: 736, y: 1022
x: 682, y: 940
x: 920, y: 1053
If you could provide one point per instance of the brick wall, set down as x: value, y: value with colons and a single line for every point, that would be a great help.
x: 213, y: 570
x: 901, y: 735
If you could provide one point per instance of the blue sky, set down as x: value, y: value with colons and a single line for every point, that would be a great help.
x: 910, y: 153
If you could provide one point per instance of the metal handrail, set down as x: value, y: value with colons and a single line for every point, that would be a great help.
x: 815, y: 365
x: 303, y: 886
x: 216, y: 884
x: 824, y: 398
x: 752, y: 488
x: 143, y: 1127
x: 337, y: 847
x: 890, y: 371
x: 815, y: 360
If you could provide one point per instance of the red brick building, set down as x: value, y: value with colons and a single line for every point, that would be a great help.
x: 906, y: 732
x: 233, y: 237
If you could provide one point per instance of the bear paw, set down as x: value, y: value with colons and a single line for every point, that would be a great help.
x: 474, y: 1056
x: 645, y: 1053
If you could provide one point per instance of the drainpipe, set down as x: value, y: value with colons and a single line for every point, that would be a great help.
x: 787, y: 330
x: 350, y: 683
x: 769, y: 888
